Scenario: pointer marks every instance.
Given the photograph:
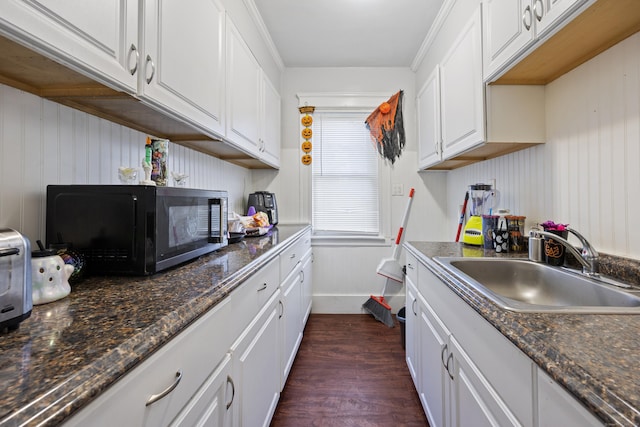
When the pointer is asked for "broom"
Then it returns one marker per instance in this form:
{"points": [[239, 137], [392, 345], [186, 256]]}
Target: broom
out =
{"points": [[391, 269]]}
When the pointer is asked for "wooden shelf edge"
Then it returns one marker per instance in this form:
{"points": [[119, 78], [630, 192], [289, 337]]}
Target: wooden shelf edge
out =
{"points": [[487, 151]]}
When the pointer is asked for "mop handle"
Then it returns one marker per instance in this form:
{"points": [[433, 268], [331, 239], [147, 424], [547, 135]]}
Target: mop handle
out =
{"points": [[405, 219]]}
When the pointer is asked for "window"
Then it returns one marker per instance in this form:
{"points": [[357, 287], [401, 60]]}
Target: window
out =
{"points": [[345, 184]]}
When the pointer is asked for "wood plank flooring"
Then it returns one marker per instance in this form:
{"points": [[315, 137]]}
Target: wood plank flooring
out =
{"points": [[350, 371]]}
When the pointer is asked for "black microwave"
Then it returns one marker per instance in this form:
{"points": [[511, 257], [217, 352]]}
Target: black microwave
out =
{"points": [[136, 229]]}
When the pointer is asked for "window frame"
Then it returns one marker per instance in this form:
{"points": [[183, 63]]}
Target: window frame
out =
{"points": [[356, 103]]}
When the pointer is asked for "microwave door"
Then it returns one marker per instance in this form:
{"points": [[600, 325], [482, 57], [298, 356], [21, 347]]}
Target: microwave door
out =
{"points": [[217, 220]]}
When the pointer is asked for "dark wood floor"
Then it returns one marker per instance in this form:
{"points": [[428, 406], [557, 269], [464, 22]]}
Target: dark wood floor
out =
{"points": [[350, 371]]}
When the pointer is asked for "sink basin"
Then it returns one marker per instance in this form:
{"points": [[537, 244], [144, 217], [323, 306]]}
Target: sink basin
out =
{"points": [[522, 285]]}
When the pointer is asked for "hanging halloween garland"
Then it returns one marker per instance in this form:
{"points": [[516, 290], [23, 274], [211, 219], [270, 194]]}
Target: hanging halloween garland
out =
{"points": [[386, 127], [307, 133]]}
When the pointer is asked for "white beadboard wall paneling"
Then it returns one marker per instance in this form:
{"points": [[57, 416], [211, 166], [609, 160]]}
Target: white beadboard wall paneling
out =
{"points": [[587, 174], [43, 143]]}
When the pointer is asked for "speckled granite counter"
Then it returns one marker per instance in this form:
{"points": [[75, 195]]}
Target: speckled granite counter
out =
{"points": [[71, 350], [595, 357]]}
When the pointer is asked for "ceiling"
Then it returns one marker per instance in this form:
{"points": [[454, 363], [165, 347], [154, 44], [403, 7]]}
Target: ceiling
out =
{"points": [[348, 33]]}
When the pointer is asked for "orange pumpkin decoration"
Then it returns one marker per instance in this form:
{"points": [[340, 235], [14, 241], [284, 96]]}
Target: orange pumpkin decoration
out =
{"points": [[385, 107], [307, 133], [306, 146], [306, 120], [306, 159]]}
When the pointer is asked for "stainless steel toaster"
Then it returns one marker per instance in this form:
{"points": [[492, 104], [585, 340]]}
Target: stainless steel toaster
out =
{"points": [[15, 279]]}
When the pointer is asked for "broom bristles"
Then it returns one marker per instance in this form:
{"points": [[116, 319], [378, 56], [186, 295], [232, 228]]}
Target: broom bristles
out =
{"points": [[378, 308]]}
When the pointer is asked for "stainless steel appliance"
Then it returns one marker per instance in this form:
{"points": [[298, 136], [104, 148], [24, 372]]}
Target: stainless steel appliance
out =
{"points": [[265, 202], [136, 229], [15, 279]]}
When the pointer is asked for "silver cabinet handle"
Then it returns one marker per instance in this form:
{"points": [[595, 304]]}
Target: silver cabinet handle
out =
{"points": [[538, 12], [292, 256], [153, 69], [442, 352], [526, 17], [233, 391], [153, 399], [302, 276], [410, 266], [450, 359], [282, 313], [264, 286], [133, 50], [413, 307]]}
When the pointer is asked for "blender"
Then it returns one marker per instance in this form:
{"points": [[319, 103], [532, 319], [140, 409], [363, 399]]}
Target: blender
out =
{"points": [[483, 199]]}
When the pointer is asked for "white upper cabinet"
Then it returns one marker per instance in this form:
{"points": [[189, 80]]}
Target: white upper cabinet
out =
{"points": [[270, 120], [462, 91], [183, 64], [428, 108], [243, 92], [97, 38], [512, 26], [253, 102]]}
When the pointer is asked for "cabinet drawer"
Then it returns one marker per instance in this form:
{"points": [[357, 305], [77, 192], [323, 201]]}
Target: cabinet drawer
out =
{"points": [[192, 356], [293, 254], [251, 296]]}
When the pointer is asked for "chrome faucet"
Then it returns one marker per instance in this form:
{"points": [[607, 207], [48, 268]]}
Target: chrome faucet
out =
{"points": [[588, 256]]}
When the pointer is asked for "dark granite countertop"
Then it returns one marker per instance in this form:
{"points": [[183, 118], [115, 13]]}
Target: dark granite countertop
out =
{"points": [[71, 350], [596, 357]]}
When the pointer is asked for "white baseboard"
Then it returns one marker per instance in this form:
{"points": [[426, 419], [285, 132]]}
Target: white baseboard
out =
{"points": [[350, 304]]}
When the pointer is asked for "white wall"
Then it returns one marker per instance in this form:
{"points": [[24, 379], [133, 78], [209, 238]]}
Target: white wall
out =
{"points": [[344, 277], [43, 143], [588, 172]]}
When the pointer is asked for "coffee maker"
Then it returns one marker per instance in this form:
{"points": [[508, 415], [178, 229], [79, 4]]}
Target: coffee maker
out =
{"points": [[482, 200]]}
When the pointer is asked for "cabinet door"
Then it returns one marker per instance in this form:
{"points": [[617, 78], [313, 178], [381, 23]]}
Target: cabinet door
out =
{"points": [[270, 122], [507, 29], [411, 325], [98, 38], [462, 91], [434, 355], [556, 11], [307, 285], [472, 399], [184, 60], [429, 136], [211, 406], [290, 320], [243, 92], [256, 368]]}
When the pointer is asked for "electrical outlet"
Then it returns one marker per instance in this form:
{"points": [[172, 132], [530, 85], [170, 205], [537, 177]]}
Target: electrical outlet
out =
{"points": [[397, 190]]}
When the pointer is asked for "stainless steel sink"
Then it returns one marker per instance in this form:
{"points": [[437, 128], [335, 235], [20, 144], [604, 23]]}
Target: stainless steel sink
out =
{"points": [[522, 285]]}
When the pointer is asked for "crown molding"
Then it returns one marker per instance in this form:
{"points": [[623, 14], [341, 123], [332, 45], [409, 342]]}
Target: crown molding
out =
{"points": [[446, 7], [264, 33]]}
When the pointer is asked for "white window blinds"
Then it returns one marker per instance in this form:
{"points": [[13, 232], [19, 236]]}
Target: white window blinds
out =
{"points": [[345, 175]]}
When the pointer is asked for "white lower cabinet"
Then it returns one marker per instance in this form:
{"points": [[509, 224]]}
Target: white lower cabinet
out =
{"points": [[295, 300], [412, 317], [467, 373], [256, 367], [290, 320], [307, 282], [211, 404], [186, 374], [226, 369]]}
